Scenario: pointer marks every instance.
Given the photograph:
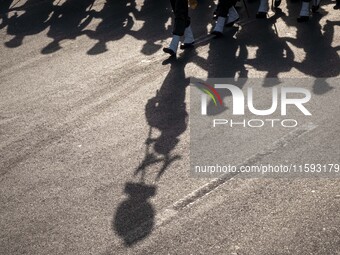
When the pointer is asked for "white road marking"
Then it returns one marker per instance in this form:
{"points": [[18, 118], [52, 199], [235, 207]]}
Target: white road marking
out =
{"points": [[169, 213]]}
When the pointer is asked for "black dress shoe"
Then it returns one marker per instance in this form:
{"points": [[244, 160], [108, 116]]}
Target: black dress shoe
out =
{"points": [[185, 46], [302, 19], [261, 15], [217, 34], [169, 51], [230, 24]]}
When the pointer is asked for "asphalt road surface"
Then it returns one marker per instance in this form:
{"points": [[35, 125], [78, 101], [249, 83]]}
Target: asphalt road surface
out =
{"points": [[90, 164]]}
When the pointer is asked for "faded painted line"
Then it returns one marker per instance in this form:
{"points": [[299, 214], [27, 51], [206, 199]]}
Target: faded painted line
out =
{"points": [[169, 213], [213, 184]]}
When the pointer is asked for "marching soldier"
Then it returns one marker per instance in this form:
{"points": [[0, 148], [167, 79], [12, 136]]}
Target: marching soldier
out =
{"points": [[181, 27]]}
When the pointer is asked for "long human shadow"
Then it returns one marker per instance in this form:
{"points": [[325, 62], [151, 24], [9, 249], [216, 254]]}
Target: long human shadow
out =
{"points": [[167, 119], [165, 112], [68, 22], [33, 21]]}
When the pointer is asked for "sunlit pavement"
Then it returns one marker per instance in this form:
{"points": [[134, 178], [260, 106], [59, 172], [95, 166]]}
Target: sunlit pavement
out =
{"points": [[90, 165]]}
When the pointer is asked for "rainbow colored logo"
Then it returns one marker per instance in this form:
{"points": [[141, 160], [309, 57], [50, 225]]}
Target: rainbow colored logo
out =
{"points": [[210, 91]]}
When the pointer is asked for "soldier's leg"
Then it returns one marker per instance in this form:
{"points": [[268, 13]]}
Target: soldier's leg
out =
{"points": [[232, 16], [263, 9], [222, 15], [304, 12], [181, 26], [182, 20]]}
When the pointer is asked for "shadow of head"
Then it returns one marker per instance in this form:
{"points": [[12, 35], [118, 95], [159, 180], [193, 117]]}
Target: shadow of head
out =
{"points": [[134, 217]]}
